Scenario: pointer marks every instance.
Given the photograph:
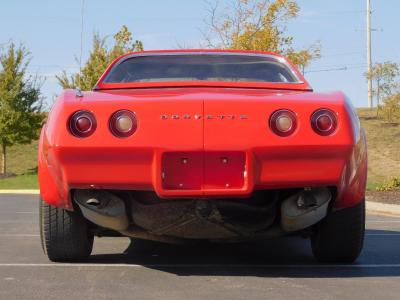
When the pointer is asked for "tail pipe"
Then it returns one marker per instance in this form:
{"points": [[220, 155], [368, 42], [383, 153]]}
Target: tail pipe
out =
{"points": [[102, 208], [108, 211], [305, 209]]}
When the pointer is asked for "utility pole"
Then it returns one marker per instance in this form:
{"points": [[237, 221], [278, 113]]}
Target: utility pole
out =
{"points": [[369, 53], [81, 49]]}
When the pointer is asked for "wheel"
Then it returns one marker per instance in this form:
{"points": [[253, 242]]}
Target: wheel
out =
{"points": [[340, 236], [64, 234]]}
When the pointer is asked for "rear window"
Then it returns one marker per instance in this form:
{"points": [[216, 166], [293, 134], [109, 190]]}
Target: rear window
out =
{"points": [[201, 67]]}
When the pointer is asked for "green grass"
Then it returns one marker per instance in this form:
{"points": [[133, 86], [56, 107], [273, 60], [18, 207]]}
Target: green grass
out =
{"points": [[371, 186], [21, 161], [26, 181], [383, 141], [383, 155]]}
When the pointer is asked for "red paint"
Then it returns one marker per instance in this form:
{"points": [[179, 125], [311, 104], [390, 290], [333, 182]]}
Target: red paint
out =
{"points": [[259, 159]]}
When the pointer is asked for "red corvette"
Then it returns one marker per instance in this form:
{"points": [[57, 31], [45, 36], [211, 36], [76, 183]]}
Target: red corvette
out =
{"points": [[188, 145]]}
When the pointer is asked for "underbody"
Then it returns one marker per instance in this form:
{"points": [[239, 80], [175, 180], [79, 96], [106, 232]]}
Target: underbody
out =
{"points": [[266, 214]]}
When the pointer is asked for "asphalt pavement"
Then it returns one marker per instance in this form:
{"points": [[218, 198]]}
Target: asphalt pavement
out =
{"points": [[121, 269]]}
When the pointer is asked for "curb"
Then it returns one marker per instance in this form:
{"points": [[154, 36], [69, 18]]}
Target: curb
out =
{"points": [[383, 208], [20, 192]]}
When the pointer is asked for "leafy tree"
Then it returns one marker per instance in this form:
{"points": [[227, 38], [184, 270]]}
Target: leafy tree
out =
{"points": [[391, 108], [257, 25], [20, 101], [384, 77], [99, 59]]}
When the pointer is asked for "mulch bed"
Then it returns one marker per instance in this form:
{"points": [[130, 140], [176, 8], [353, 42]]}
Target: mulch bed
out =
{"points": [[392, 197]]}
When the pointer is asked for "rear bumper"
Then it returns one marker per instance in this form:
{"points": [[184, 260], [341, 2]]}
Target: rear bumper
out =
{"points": [[204, 174]]}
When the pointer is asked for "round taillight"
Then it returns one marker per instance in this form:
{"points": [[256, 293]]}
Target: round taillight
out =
{"points": [[283, 122], [82, 123], [123, 123], [324, 122]]}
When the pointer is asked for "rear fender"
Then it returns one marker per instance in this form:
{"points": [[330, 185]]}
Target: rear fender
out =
{"points": [[52, 189], [351, 188]]}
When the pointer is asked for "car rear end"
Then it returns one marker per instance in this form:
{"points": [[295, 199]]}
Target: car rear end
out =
{"points": [[223, 163]]}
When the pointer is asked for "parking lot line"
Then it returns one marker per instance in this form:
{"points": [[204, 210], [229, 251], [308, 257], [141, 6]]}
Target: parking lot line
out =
{"points": [[17, 222], [18, 235], [375, 221], [258, 266], [18, 212], [36, 235]]}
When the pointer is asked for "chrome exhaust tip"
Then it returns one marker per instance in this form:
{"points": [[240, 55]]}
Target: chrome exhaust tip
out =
{"points": [[305, 209], [102, 208]]}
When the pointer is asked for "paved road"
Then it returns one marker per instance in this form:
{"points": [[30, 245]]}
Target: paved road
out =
{"points": [[279, 269]]}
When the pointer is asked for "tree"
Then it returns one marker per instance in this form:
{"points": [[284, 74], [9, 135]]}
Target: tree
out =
{"points": [[384, 77], [257, 25], [20, 101], [391, 108], [99, 59]]}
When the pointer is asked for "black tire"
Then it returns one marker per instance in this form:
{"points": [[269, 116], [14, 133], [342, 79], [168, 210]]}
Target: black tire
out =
{"points": [[339, 237], [64, 234]]}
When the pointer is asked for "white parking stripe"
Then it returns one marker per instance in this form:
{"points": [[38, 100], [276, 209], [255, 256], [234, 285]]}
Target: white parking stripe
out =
{"points": [[16, 222], [258, 266], [18, 235], [35, 235]]}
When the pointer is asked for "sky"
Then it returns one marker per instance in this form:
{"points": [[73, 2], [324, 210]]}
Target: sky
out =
{"points": [[51, 30]]}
